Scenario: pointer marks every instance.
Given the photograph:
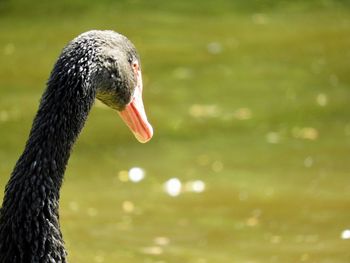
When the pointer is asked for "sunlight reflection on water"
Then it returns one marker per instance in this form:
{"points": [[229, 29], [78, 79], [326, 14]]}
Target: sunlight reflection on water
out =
{"points": [[91, 211], [162, 241], [173, 187], [128, 206], [345, 234], [154, 250], [197, 186], [136, 174], [322, 99], [214, 48], [307, 133], [74, 206], [99, 258]]}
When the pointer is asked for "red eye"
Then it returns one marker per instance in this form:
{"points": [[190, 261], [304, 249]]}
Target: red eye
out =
{"points": [[135, 65]]}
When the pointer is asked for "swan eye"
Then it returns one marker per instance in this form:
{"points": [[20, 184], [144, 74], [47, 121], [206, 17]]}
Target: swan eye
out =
{"points": [[134, 63]]}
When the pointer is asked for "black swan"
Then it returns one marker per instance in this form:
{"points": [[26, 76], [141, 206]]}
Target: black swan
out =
{"points": [[97, 64]]}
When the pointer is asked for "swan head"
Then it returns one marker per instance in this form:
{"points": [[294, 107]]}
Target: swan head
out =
{"points": [[115, 72]]}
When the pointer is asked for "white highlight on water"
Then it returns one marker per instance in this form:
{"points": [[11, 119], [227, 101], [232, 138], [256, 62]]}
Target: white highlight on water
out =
{"points": [[345, 234], [136, 174], [197, 186], [173, 187]]}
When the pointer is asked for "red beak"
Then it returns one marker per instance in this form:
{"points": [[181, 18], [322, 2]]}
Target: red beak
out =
{"points": [[134, 114]]}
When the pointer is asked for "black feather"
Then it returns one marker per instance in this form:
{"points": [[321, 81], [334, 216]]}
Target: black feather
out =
{"points": [[29, 218]]}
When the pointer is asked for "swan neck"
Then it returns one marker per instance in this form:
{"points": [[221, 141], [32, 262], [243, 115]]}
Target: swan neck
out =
{"points": [[31, 201]]}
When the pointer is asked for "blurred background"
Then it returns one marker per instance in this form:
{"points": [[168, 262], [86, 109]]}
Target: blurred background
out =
{"points": [[249, 101]]}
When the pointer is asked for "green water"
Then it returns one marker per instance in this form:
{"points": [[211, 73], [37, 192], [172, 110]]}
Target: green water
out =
{"points": [[249, 97]]}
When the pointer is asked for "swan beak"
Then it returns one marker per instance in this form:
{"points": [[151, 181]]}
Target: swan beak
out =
{"points": [[134, 114]]}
